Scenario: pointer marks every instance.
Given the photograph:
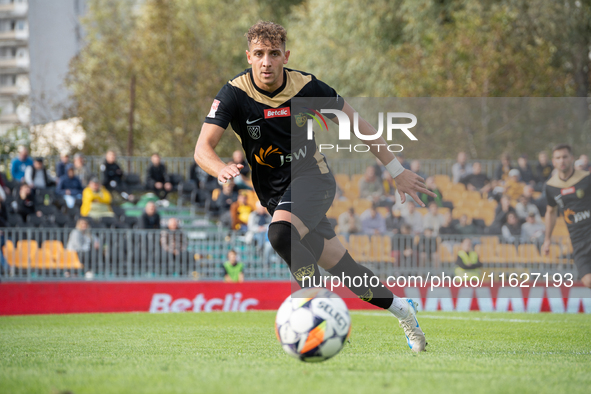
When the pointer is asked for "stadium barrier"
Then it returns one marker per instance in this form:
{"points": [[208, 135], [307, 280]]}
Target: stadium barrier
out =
{"points": [[162, 297], [38, 254]]}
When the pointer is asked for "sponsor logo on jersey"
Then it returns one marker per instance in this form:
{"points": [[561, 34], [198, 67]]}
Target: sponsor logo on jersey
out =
{"points": [[213, 109], [263, 157], [254, 132], [277, 113], [567, 191], [571, 216], [580, 193], [266, 158]]}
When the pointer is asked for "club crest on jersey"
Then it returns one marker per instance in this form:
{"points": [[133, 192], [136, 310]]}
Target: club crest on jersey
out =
{"points": [[300, 119], [580, 193], [254, 132]]}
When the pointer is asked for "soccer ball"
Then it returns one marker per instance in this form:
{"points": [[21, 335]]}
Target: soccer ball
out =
{"points": [[313, 324]]}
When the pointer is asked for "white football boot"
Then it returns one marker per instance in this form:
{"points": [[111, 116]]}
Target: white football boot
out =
{"points": [[414, 335]]}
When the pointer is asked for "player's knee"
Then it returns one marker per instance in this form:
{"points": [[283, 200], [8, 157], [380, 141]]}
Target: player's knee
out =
{"points": [[586, 280], [280, 236]]}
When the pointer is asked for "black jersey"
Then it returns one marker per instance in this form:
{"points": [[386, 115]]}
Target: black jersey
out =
{"points": [[573, 197], [271, 131]]}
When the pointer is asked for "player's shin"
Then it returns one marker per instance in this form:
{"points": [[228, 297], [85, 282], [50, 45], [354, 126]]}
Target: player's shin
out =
{"points": [[285, 239]]}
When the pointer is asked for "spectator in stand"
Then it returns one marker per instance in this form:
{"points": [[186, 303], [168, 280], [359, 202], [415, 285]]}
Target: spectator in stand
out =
{"points": [[96, 200], [585, 160], [238, 158], [513, 187], [427, 247], [525, 207], [82, 242], [431, 185], [233, 270], [157, 180], [174, 243], [413, 218], [70, 187], [532, 230], [25, 202], [460, 168], [3, 214], [221, 206], [20, 163], [112, 174], [448, 227], [258, 223], [543, 169], [150, 218], [36, 176], [503, 168], [349, 223], [501, 212], [60, 168], [511, 230], [81, 169], [466, 228], [370, 186], [540, 202], [476, 180], [405, 164], [467, 262], [526, 175], [403, 246], [389, 196], [240, 212], [432, 219], [415, 166], [578, 165], [204, 182], [394, 221], [372, 223], [380, 168]]}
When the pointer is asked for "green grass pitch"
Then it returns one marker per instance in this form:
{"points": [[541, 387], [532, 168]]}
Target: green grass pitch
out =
{"points": [[238, 353]]}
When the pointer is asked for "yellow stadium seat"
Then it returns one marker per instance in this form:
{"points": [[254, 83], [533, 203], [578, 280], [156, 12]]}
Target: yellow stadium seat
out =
{"points": [[69, 260], [507, 253], [529, 253], [342, 180], [53, 247], [43, 259], [486, 253]]}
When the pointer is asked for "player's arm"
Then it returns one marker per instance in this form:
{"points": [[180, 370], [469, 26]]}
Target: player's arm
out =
{"points": [[550, 219], [406, 181], [206, 157]]}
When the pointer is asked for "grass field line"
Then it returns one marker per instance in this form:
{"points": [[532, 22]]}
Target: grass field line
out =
{"points": [[423, 316]]}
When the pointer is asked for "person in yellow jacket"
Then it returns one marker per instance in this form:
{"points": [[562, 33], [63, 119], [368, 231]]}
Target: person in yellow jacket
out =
{"points": [[468, 262], [96, 200]]}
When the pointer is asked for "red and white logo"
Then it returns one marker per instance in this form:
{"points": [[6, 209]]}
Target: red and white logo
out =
{"points": [[277, 113], [568, 190], [214, 107], [162, 302]]}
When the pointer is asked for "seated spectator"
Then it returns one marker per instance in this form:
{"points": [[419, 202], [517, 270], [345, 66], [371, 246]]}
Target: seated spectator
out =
{"points": [[150, 218], [394, 221], [403, 246], [543, 169], [586, 166], [502, 210], [467, 262], [526, 174], [372, 223], [427, 247], [81, 169], [20, 163], [370, 186], [431, 185], [60, 168], [532, 230], [525, 207], [476, 180], [415, 166], [513, 187], [36, 176], [204, 182], [413, 218], [448, 227], [112, 174], [221, 206], [349, 223], [240, 212], [233, 270], [503, 168], [174, 243], [25, 202], [258, 223], [466, 228], [388, 185], [70, 187], [157, 179], [433, 220], [96, 200], [460, 168], [238, 158], [511, 230], [81, 241]]}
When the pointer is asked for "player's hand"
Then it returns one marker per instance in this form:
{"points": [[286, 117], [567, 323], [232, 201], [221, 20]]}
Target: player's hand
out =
{"points": [[546, 248], [410, 183], [228, 172]]}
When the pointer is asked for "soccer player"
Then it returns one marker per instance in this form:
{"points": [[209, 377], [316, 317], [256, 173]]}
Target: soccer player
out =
{"points": [[257, 104], [570, 190]]}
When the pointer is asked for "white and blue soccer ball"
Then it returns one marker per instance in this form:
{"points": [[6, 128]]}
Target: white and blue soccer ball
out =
{"points": [[313, 324]]}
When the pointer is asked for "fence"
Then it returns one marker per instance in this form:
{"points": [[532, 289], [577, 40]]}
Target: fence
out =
{"points": [[113, 254]]}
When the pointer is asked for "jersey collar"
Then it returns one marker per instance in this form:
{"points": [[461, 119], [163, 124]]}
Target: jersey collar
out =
{"points": [[269, 94]]}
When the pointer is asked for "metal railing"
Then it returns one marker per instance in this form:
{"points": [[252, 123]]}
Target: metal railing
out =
{"points": [[32, 254]]}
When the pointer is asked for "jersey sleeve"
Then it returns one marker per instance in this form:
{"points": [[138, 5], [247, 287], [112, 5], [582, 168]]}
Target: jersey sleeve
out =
{"points": [[224, 107], [549, 196], [331, 100]]}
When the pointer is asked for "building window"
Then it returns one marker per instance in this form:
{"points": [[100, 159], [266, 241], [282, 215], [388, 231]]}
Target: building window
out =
{"points": [[7, 80]]}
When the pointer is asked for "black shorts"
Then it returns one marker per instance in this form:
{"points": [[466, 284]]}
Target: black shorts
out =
{"points": [[309, 197], [582, 256]]}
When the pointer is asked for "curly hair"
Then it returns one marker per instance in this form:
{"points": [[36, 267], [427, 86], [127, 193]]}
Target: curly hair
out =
{"points": [[270, 32]]}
